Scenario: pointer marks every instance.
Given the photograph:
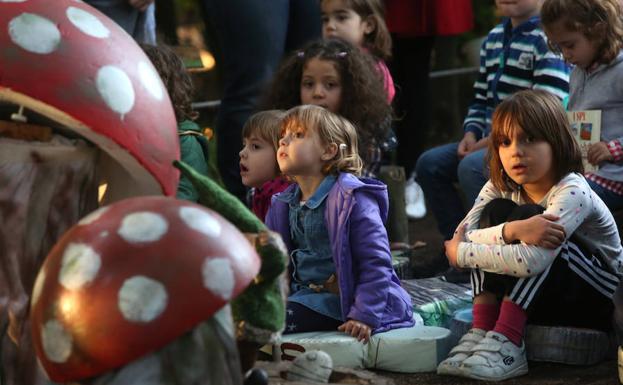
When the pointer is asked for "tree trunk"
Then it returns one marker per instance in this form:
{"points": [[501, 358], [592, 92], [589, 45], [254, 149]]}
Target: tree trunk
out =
{"points": [[45, 187]]}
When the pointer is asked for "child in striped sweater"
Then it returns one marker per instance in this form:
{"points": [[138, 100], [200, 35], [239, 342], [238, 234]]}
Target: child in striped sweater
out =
{"points": [[515, 56]]}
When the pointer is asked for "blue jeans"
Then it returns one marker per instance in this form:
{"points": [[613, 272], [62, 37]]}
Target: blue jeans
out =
{"points": [[612, 200], [253, 36], [438, 169]]}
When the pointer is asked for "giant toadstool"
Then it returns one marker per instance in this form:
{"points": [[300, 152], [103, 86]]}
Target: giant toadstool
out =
{"points": [[131, 277], [69, 63]]}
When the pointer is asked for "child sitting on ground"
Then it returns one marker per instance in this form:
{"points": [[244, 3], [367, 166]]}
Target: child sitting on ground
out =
{"points": [[539, 242], [341, 274], [258, 159]]}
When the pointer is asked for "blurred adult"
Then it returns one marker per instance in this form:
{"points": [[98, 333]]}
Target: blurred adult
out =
{"points": [[136, 17], [252, 37]]}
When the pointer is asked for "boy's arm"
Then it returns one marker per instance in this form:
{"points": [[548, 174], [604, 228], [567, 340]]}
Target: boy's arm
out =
{"points": [[476, 119], [551, 73]]}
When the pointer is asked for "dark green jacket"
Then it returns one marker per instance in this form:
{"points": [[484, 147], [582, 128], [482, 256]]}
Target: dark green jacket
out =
{"points": [[194, 152]]}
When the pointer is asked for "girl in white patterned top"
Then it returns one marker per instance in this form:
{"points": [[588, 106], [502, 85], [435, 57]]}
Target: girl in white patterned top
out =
{"points": [[540, 244]]}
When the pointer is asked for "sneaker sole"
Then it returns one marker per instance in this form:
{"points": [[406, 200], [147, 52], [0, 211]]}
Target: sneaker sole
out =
{"points": [[517, 372], [449, 371], [565, 345]]}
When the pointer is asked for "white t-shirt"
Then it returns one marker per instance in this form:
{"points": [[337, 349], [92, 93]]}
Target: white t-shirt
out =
{"points": [[581, 212]]}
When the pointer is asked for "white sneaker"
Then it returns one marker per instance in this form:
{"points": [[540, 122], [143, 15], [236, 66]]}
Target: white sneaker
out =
{"points": [[451, 365], [495, 358], [414, 199]]}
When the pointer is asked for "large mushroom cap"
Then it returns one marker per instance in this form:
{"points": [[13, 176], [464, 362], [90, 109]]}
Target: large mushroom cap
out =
{"points": [[68, 62], [131, 277]]}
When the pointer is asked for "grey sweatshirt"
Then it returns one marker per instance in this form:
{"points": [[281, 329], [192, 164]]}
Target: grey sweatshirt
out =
{"points": [[602, 90]]}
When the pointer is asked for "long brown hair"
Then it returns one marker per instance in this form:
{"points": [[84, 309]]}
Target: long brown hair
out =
{"points": [[176, 79], [541, 116], [600, 21], [364, 100], [379, 41]]}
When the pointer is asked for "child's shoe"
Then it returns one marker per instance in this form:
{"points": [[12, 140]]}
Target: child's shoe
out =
{"points": [[451, 365], [495, 358], [414, 199]]}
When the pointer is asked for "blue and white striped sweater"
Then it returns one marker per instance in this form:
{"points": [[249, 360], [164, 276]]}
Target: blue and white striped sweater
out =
{"points": [[513, 59]]}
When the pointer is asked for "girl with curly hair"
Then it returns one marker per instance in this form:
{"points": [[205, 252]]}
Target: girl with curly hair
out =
{"points": [[589, 33], [335, 75], [193, 145]]}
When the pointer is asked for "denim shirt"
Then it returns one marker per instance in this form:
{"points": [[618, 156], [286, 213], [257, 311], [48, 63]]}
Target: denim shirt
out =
{"points": [[311, 257]]}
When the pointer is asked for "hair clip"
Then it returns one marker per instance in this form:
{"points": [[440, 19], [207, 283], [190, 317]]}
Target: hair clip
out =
{"points": [[300, 54], [343, 147], [341, 54]]}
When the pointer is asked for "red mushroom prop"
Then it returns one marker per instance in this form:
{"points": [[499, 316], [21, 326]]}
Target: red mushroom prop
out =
{"points": [[130, 278], [68, 62]]}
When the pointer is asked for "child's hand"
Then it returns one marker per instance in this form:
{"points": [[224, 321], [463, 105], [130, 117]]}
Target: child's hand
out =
{"points": [[141, 5], [466, 145], [539, 230], [599, 152], [356, 329], [452, 246]]}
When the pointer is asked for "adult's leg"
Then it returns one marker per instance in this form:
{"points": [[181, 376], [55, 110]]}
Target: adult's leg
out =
{"points": [[410, 67], [472, 174], [251, 35], [305, 23], [436, 173]]}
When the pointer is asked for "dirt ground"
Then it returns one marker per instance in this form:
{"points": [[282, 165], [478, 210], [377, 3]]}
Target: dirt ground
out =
{"points": [[604, 373]]}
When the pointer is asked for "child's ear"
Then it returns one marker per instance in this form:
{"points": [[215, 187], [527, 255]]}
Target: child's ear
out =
{"points": [[330, 151], [369, 25]]}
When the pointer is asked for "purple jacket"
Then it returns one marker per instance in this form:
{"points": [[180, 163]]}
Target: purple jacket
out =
{"points": [[370, 291]]}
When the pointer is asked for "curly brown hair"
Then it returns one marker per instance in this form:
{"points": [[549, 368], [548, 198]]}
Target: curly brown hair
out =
{"points": [[176, 79], [363, 101], [541, 116], [379, 41], [599, 20]]}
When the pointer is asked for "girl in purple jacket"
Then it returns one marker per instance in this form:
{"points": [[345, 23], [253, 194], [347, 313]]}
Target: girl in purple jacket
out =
{"points": [[341, 275]]}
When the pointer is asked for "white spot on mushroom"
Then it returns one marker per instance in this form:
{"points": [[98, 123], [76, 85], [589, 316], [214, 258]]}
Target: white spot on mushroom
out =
{"points": [[36, 290], [56, 341], [201, 221], [79, 266], [150, 80], [143, 226], [142, 299], [92, 217], [87, 22], [218, 276], [34, 33], [115, 88], [104, 234]]}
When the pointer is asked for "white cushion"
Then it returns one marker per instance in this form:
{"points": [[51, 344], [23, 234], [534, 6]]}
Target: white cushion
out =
{"points": [[408, 350]]}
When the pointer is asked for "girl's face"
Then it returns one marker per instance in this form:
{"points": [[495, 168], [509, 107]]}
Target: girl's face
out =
{"points": [[321, 84], [528, 162], [342, 22], [576, 48], [258, 163], [301, 153]]}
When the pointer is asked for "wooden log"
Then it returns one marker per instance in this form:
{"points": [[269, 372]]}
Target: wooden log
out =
{"points": [[44, 189]]}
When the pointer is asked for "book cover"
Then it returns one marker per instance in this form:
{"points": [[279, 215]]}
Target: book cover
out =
{"points": [[586, 128]]}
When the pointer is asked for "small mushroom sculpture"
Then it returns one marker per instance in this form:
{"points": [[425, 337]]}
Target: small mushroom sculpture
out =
{"points": [[130, 278], [311, 366], [68, 62]]}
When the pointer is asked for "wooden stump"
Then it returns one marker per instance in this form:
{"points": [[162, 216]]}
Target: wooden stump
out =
{"points": [[44, 189]]}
